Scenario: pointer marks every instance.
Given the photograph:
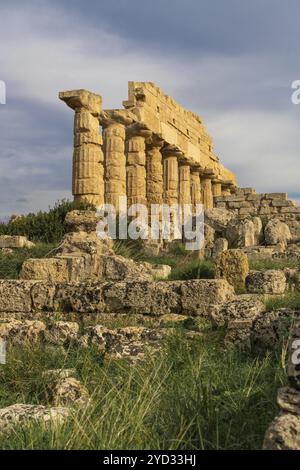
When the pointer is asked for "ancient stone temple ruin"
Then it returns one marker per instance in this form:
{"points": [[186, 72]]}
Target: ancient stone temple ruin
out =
{"points": [[153, 151]]}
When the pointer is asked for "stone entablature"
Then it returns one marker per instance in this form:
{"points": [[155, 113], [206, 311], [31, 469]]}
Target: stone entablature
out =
{"points": [[154, 150]]}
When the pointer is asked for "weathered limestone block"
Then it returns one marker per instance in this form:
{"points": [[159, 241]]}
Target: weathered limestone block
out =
{"points": [[232, 265], [130, 342], [115, 162], [154, 172], [288, 399], [15, 241], [82, 221], [68, 391], [143, 297], [218, 219], [21, 414], [207, 195], [198, 297], [277, 232], [238, 334], [15, 296], [241, 233], [266, 282], [184, 184], [42, 295], [80, 297], [117, 268], [61, 333], [159, 271], [84, 243], [239, 309], [46, 269], [283, 433], [258, 230], [220, 245], [273, 328], [22, 331]]}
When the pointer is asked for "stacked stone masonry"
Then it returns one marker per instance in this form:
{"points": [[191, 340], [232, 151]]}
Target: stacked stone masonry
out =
{"points": [[246, 202], [194, 297], [152, 151]]}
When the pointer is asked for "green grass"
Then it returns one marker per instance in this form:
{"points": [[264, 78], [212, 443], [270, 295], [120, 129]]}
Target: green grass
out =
{"points": [[265, 264], [183, 263], [43, 227], [11, 264], [191, 396], [288, 300], [194, 269]]}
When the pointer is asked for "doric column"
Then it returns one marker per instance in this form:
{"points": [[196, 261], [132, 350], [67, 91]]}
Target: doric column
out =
{"points": [[87, 175], [170, 174], [136, 163], [154, 171], [207, 195], [114, 157], [196, 197], [216, 188], [184, 183]]}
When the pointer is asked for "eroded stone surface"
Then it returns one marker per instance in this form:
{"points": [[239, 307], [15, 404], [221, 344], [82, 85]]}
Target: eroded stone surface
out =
{"points": [[283, 433], [266, 282], [233, 266], [22, 414]]}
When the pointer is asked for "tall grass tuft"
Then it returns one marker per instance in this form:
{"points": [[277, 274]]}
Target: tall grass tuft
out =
{"points": [[191, 396]]}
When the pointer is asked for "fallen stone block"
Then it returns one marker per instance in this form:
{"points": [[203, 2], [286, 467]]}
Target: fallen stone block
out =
{"points": [[239, 309], [15, 241], [233, 266], [277, 232], [266, 282], [15, 296], [21, 414], [283, 433], [272, 328]]}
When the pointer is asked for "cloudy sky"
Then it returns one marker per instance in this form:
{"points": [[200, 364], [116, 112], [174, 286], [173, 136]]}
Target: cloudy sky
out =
{"points": [[230, 61]]}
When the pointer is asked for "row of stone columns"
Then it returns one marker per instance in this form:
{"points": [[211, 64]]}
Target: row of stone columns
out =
{"points": [[133, 163], [152, 173]]}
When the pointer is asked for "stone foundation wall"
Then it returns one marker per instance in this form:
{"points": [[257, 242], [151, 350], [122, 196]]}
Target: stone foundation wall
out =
{"points": [[193, 297], [246, 202]]}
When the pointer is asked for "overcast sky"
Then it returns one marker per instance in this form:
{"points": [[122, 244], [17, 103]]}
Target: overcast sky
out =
{"points": [[230, 61]]}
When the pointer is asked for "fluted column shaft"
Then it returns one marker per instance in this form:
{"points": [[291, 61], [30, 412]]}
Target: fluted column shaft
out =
{"points": [[115, 162], [136, 170], [171, 176], [184, 184], [196, 196], [154, 174], [207, 195]]}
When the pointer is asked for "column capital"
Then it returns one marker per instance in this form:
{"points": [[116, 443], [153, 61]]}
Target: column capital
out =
{"points": [[155, 141], [77, 99], [171, 151], [138, 129], [113, 117]]}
